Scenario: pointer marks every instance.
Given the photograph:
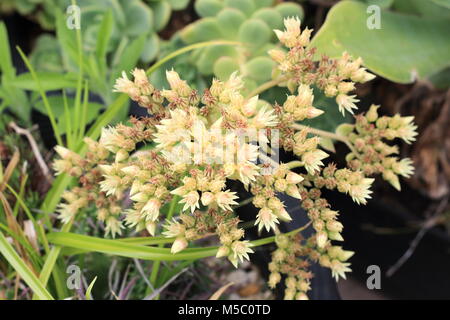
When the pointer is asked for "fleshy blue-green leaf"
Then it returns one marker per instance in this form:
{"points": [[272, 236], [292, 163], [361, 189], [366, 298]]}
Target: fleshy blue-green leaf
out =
{"points": [[405, 48]]}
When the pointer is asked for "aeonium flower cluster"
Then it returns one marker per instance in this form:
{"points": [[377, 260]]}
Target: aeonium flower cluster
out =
{"points": [[335, 77], [185, 153]]}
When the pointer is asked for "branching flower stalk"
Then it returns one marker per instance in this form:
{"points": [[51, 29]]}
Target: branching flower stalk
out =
{"points": [[192, 144]]}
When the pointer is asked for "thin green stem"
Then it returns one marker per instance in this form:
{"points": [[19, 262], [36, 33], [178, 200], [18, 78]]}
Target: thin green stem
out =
{"points": [[265, 86], [264, 241], [244, 202], [45, 101], [294, 164], [190, 48], [327, 134]]}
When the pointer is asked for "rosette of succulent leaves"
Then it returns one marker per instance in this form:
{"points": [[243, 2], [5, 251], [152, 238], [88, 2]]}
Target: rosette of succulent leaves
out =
{"points": [[249, 22], [116, 167]]}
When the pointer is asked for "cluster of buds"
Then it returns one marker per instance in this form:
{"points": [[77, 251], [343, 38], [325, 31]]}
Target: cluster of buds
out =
{"points": [[188, 228], [324, 220], [374, 156], [199, 189], [141, 91], [271, 207], [307, 150], [230, 235], [70, 162], [300, 107], [333, 257], [89, 192], [335, 77], [290, 260], [148, 186]]}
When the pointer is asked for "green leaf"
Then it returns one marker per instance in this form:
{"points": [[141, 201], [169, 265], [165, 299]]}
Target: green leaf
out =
{"points": [[259, 68], [105, 32], [139, 18], [290, 9], [21, 268], [57, 103], [161, 14], [46, 54], [209, 56], [151, 48], [147, 241], [124, 249], [43, 95], [432, 8], [49, 81], [208, 8], [384, 4], [272, 17], [66, 38], [263, 3], [224, 67], [6, 65], [443, 3], [246, 6], [178, 4], [202, 30], [230, 19], [89, 289], [404, 49], [130, 56], [254, 32]]}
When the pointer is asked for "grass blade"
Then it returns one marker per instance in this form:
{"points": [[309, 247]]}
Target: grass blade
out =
{"points": [[124, 249], [25, 273], [89, 289], [43, 96]]}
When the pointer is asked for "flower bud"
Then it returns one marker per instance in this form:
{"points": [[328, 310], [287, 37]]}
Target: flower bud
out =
{"points": [[282, 240], [259, 201], [178, 245], [131, 170], [277, 55], [292, 191], [328, 214], [151, 227], [280, 185], [321, 238], [207, 198], [334, 226], [382, 123], [372, 114], [249, 108], [283, 215], [324, 261], [121, 155], [293, 178], [274, 279], [301, 296], [291, 282], [223, 251], [335, 236], [289, 294], [331, 91], [140, 197]]}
